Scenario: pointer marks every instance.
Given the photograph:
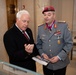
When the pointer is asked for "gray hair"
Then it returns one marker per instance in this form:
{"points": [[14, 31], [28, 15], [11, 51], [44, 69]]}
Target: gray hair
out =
{"points": [[21, 12]]}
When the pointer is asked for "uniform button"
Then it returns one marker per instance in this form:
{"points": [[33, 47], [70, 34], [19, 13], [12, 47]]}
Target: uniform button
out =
{"points": [[49, 40], [49, 45], [50, 50]]}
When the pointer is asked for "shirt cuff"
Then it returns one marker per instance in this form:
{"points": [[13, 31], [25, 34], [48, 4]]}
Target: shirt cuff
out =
{"points": [[59, 57]]}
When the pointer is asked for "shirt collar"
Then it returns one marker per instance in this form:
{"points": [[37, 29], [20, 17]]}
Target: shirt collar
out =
{"points": [[18, 27]]}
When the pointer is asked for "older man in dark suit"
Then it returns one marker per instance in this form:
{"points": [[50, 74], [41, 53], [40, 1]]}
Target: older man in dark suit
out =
{"points": [[19, 42]]}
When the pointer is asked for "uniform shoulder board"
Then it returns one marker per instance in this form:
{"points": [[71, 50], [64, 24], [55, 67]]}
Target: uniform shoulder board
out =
{"points": [[61, 21], [40, 25]]}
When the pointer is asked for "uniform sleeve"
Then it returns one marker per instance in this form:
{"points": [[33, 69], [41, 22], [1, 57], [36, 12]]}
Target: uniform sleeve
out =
{"points": [[68, 43], [35, 50], [39, 43]]}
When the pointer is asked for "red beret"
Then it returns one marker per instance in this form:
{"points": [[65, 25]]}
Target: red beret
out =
{"points": [[48, 8]]}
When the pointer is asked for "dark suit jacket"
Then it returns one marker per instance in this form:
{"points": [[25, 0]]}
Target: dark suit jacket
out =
{"points": [[14, 42]]}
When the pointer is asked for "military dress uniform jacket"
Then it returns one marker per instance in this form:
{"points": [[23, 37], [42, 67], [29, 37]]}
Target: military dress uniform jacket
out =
{"points": [[14, 41], [55, 42]]}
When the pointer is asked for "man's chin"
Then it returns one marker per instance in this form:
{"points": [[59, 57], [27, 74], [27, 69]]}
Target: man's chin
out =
{"points": [[24, 28]]}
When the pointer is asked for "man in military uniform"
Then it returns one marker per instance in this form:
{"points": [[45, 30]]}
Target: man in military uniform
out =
{"points": [[54, 42]]}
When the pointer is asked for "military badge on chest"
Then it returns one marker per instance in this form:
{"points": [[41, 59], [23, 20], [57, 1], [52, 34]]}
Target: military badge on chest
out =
{"points": [[57, 33], [59, 42]]}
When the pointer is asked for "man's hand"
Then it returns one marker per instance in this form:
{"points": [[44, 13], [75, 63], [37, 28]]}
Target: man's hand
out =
{"points": [[54, 59], [29, 48], [45, 56]]}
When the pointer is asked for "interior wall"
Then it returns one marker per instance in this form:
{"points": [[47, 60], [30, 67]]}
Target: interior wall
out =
{"points": [[74, 19], [58, 7], [3, 28], [67, 12]]}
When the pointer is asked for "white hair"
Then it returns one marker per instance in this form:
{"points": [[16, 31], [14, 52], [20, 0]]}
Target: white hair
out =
{"points": [[21, 12]]}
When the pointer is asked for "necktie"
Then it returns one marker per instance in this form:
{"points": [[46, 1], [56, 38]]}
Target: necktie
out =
{"points": [[26, 35]]}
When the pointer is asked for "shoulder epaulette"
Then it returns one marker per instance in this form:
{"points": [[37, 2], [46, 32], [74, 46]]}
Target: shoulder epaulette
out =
{"points": [[61, 21], [40, 25]]}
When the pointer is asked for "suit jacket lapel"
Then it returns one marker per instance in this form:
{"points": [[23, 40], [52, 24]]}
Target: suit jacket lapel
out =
{"points": [[19, 33]]}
